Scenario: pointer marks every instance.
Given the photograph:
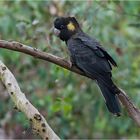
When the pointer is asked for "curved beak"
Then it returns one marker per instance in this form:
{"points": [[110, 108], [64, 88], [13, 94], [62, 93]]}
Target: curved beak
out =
{"points": [[56, 31]]}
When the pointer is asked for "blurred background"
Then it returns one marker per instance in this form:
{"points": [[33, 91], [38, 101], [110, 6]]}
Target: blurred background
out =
{"points": [[72, 104]]}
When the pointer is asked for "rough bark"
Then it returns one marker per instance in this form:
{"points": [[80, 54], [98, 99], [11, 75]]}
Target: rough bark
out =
{"points": [[39, 124]]}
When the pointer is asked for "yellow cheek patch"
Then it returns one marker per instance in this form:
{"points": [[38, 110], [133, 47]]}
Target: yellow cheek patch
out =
{"points": [[71, 26]]}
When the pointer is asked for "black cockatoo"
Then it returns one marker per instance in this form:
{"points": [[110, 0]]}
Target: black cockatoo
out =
{"points": [[88, 55]]}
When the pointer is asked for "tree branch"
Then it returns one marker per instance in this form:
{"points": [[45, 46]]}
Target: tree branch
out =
{"points": [[40, 126], [133, 112], [16, 46]]}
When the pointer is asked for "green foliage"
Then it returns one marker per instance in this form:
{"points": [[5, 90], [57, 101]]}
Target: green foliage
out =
{"points": [[71, 103]]}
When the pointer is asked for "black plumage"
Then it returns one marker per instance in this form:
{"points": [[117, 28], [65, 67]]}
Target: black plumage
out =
{"points": [[88, 55]]}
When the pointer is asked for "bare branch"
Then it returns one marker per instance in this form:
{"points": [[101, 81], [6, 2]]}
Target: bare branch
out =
{"points": [[133, 112], [16, 46], [40, 126]]}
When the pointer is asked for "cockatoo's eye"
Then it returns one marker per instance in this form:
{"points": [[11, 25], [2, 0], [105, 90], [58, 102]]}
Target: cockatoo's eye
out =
{"points": [[62, 27]]}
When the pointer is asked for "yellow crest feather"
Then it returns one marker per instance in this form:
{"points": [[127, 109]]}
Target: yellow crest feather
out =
{"points": [[71, 26]]}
